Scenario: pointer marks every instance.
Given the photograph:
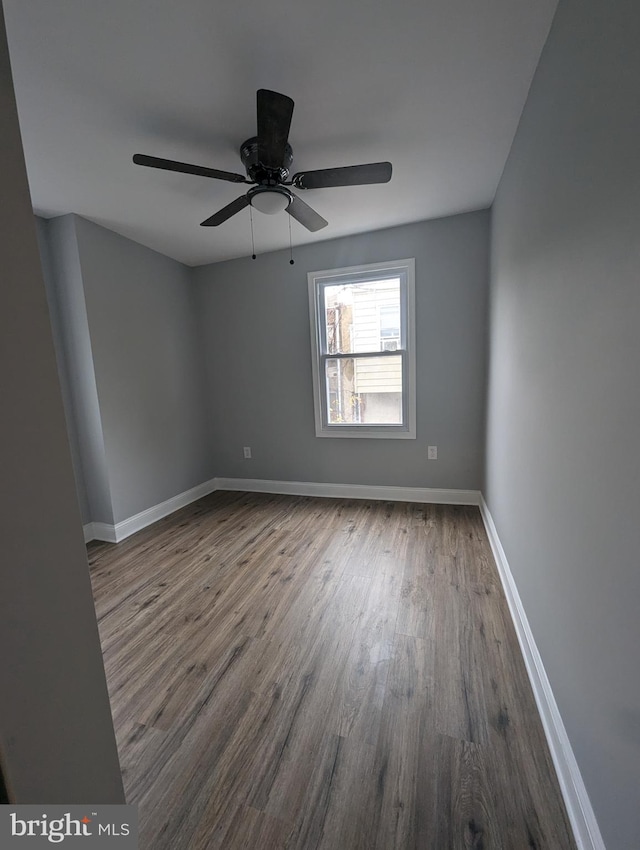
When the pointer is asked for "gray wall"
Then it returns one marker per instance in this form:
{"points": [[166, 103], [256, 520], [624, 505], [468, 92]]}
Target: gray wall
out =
{"points": [[255, 327], [563, 463], [142, 323], [65, 293], [129, 322], [67, 388], [56, 736]]}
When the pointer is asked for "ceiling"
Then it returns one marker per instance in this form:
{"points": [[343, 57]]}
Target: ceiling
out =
{"points": [[435, 86]]}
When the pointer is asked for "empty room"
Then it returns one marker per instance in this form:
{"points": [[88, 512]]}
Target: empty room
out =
{"points": [[320, 490]]}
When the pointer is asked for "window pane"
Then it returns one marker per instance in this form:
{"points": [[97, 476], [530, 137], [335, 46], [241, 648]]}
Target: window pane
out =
{"points": [[364, 390], [362, 316]]}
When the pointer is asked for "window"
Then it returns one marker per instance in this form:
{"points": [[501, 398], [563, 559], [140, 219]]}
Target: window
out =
{"points": [[362, 340], [389, 326]]}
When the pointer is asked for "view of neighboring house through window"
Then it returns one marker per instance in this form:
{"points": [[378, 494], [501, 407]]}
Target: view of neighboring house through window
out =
{"points": [[362, 340]]}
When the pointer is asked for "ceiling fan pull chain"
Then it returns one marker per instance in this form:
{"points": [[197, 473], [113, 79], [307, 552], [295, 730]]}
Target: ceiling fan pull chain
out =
{"points": [[253, 247], [290, 245]]}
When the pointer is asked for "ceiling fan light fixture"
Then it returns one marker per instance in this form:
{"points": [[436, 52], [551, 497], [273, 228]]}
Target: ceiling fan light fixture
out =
{"points": [[269, 200]]}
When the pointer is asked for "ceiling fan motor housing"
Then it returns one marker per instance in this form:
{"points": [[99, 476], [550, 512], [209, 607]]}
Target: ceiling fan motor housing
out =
{"points": [[256, 171]]}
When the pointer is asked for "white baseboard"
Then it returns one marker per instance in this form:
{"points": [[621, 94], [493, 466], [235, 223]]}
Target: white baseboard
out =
{"points": [[576, 800], [99, 531], [121, 530], [352, 491], [116, 533], [136, 523]]}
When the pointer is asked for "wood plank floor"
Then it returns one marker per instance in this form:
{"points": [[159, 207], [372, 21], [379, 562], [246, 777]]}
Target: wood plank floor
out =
{"points": [[320, 674]]}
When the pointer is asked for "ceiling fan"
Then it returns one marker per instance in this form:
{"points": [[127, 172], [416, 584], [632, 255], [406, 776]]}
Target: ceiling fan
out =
{"points": [[267, 158]]}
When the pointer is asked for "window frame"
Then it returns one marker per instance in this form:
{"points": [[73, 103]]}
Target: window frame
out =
{"points": [[317, 283]]}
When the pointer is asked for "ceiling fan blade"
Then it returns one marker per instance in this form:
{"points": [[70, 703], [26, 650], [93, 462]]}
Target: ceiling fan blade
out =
{"points": [[307, 217], [350, 175], [226, 212], [274, 119], [185, 168]]}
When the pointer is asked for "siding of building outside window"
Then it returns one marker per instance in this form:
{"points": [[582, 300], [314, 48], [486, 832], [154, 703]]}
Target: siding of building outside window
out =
{"points": [[357, 384], [379, 378]]}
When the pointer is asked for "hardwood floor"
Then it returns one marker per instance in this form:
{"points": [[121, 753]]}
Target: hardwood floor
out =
{"points": [[320, 674]]}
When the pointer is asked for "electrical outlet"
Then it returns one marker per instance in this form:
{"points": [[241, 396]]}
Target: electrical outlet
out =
{"points": [[432, 452], [247, 452]]}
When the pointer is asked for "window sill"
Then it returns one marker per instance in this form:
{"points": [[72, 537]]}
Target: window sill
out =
{"points": [[364, 432]]}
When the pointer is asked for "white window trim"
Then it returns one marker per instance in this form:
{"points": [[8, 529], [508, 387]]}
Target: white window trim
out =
{"points": [[407, 431]]}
